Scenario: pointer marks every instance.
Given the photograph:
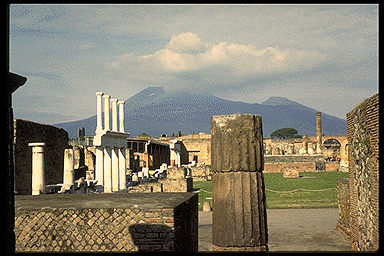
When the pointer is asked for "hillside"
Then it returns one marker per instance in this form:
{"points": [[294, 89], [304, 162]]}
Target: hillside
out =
{"points": [[156, 111]]}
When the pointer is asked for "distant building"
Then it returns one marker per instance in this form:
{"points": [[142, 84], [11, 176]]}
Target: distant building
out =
{"points": [[147, 153]]}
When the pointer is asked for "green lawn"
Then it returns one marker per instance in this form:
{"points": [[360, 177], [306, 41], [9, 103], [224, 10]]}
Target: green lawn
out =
{"points": [[311, 190]]}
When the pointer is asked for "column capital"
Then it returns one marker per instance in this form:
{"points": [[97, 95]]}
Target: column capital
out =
{"points": [[106, 96], [99, 93], [121, 102], [114, 100]]}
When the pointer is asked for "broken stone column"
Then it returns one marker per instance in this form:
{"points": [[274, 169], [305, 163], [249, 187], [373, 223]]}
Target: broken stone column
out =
{"points": [[239, 209], [319, 135], [38, 172], [305, 145], [69, 170]]}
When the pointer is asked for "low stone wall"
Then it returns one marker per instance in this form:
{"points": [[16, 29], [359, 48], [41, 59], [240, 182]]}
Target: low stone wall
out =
{"points": [[107, 222], [280, 167], [332, 166], [201, 172]]}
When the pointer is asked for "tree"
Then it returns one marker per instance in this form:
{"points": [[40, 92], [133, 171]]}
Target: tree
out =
{"points": [[285, 133], [144, 135]]}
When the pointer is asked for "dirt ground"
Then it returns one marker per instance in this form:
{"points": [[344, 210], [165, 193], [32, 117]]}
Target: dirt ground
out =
{"points": [[291, 230]]}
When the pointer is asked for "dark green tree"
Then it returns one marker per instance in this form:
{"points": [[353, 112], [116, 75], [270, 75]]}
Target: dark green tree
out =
{"points": [[285, 133]]}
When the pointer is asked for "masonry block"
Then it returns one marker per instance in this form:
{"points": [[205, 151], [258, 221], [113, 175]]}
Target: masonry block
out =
{"points": [[237, 143], [239, 219]]}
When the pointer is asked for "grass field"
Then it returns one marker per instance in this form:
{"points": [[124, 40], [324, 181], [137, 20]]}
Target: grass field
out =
{"points": [[311, 190]]}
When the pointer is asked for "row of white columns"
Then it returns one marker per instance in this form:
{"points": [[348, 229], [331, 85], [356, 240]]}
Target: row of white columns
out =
{"points": [[99, 110], [110, 144], [111, 168]]}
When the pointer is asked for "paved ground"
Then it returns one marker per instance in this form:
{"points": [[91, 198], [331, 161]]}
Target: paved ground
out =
{"points": [[290, 230]]}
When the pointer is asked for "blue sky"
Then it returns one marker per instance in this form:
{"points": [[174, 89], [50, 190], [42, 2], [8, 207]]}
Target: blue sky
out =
{"points": [[322, 56]]}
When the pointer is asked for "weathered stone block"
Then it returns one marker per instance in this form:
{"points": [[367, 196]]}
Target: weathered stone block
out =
{"points": [[237, 143], [239, 209], [291, 172]]}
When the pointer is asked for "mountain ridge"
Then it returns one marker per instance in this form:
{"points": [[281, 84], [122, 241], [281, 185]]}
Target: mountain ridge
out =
{"points": [[156, 111]]}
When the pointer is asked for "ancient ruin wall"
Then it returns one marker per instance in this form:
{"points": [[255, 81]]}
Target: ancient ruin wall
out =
{"points": [[55, 139], [363, 154], [107, 223]]}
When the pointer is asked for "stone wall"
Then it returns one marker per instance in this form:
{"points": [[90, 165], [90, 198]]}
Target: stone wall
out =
{"points": [[177, 180], [196, 144], [344, 207], [107, 222], [280, 167], [55, 139], [363, 154], [201, 172], [302, 163]]}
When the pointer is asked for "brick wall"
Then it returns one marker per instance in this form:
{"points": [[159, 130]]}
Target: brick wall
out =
{"points": [[107, 222], [56, 140], [363, 154]]}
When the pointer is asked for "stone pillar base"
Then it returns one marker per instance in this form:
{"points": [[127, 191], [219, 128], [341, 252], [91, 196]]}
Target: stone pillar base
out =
{"points": [[261, 248], [239, 210]]}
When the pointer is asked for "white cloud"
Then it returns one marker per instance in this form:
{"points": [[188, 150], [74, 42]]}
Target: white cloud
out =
{"points": [[187, 54]]}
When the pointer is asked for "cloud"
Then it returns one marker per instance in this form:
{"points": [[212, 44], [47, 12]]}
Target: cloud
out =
{"points": [[187, 55]]}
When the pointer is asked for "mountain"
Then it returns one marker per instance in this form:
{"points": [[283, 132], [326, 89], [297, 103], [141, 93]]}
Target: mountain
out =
{"points": [[156, 111]]}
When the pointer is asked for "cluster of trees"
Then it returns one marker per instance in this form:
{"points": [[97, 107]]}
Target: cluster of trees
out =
{"points": [[285, 133]]}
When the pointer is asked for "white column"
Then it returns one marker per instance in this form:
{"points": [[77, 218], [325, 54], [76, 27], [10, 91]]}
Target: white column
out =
{"points": [[69, 171], [106, 112], [38, 172], [100, 166], [122, 168], [107, 170], [121, 115], [115, 170], [114, 115], [99, 110]]}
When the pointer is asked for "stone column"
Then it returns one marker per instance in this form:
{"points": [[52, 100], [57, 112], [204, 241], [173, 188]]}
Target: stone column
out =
{"points": [[239, 210], [100, 166], [319, 134], [38, 172], [305, 145], [122, 169], [121, 116], [107, 170], [115, 170], [99, 110], [106, 112], [114, 115], [69, 170]]}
